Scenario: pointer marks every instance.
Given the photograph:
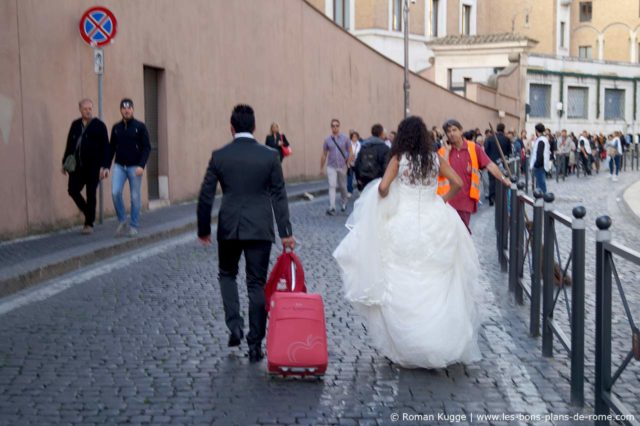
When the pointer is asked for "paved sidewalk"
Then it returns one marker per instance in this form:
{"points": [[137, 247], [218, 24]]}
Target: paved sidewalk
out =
{"points": [[28, 261]]}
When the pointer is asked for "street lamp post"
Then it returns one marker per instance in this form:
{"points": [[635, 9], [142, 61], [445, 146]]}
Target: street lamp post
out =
{"points": [[405, 18]]}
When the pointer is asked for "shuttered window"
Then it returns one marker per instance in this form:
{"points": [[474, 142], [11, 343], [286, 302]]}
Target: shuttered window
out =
{"points": [[540, 100], [578, 102], [614, 104]]}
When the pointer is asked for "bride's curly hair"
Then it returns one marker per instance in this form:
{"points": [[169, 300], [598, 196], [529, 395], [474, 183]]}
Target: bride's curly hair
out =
{"points": [[417, 143]]}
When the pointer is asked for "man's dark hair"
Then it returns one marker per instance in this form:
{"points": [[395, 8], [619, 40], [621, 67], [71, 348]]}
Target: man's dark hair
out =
{"points": [[500, 127], [377, 129], [540, 128], [469, 135], [451, 123], [243, 119]]}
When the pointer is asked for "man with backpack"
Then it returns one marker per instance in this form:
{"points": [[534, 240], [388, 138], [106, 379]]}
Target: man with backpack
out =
{"points": [[372, 159]]}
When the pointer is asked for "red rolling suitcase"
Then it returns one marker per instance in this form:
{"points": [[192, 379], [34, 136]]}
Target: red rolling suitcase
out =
{"points": [[296, 334]]}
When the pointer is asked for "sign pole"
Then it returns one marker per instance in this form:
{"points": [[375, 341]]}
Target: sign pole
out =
{"points": [[98, 55], [98, 27]]}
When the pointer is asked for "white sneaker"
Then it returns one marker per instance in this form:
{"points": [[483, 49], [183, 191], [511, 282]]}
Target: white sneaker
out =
{"points": [[121, 229], [133, 232], [615, 178]]}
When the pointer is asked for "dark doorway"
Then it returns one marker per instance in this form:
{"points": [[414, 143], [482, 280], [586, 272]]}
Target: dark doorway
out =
{"points": [[151, 117]]}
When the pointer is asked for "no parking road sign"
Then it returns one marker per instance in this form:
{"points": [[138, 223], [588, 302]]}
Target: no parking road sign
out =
{"points": [[98, 26]]}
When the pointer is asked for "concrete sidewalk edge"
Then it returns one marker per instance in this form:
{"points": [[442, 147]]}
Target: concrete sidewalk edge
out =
{"points": [[46, 272]]}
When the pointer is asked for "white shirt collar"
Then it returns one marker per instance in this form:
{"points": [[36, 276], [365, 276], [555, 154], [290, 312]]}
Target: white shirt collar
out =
{"points": [[243, 135]]}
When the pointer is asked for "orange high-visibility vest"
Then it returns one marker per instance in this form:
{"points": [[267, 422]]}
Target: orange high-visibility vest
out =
{"points": [[474, 191]]}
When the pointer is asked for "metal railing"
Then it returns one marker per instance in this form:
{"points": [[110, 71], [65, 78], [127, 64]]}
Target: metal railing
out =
{"points": [[525, 247], [605, 400], [632, 157], [513, 239], [555, 283]]}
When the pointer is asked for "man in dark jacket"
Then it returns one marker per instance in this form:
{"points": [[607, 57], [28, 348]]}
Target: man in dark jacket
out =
{"points": [[372, 158], [493, 152], [131, 147], [253, 190], [88, 146]]}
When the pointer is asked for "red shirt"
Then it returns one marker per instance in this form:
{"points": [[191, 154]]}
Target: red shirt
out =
{"points": [[460, 161]]}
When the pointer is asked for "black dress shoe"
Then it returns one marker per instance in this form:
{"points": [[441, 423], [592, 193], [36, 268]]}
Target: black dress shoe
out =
{"points": [[235, 338], [255, 354]]}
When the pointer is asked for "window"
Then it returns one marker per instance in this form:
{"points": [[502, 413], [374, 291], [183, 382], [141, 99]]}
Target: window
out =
{"points": [[396, 21], [341, 14], [584, 52], [578, 102], [526, 20], [540, 100], [434, 17], [585, 11], [614, 104], [562, 26], [466, 19]]}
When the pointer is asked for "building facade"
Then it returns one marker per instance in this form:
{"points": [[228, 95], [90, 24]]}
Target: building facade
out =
{"points": [[577, 94], [577, 59], [379, 23]]}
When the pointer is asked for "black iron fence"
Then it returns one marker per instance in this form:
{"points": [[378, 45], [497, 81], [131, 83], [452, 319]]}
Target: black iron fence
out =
{"points": [[527, 242], [606, 253]]}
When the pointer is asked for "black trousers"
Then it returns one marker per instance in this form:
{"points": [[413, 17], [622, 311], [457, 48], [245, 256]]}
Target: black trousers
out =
{"points": [[79, 179], [256, 256], [492, 188]]}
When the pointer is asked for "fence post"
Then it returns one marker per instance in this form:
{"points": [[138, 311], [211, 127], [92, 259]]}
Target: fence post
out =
{"points": [[577, 309], [526, 173], [513, 235], [504, 245], [498, 216], [603, 317], [536, 262], [547, 275], [520, 245]]}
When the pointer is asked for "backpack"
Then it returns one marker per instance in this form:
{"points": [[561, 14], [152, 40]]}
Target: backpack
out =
{"points": [[369, 168]]}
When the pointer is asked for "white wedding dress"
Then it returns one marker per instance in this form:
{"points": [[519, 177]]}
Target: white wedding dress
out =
{"points": [[410, 268]]}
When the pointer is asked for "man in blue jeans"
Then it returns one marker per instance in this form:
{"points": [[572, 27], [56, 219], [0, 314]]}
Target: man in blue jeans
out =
{"points": [[540, 158], [130, 145]]}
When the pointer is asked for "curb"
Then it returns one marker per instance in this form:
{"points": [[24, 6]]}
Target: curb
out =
{"points": [[28, 279], [626, 205]]}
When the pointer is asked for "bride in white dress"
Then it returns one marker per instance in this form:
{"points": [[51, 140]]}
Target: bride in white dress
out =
{"points": [[408, 263]]}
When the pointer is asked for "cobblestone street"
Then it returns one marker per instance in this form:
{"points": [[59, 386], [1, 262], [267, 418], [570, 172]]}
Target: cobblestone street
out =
{"points": [[141, 339]]}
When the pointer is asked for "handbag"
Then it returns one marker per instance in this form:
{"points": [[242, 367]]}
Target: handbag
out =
{"points": [[70, 163], [285, 149], [287, 275]]}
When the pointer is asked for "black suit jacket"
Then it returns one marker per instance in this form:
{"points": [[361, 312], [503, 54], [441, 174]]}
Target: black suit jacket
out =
{"points": [[272, 142], [94, 150], [252, 184], [491, 149]]}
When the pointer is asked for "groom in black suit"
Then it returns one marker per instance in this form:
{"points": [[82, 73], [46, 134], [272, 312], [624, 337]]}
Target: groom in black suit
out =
{"points": [[252, 184]]}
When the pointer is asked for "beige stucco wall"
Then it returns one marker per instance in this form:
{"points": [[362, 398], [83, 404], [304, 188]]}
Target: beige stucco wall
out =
{"points": [[13, 190], [615, 20], [214, 54], [453, 17], [496, 16]]}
